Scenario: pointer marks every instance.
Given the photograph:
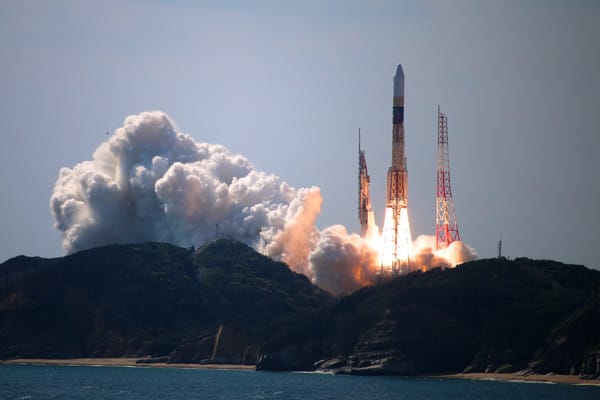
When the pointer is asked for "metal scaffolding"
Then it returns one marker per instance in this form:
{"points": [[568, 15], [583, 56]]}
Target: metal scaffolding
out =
{"points": [[446, 228]]}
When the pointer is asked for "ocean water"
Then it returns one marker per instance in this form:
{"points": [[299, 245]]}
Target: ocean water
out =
{"points": [[36, 382]]}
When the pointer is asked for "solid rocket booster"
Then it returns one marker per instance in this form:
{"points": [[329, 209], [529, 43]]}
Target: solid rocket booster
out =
{"points": [[397, 176]]}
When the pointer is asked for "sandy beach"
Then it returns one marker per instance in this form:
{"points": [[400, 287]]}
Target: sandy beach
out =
{"points": [[123, 362], [550, 378], [131, 362]]}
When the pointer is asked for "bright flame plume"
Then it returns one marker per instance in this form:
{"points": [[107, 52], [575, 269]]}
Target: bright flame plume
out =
{"points": [[396, 242]]}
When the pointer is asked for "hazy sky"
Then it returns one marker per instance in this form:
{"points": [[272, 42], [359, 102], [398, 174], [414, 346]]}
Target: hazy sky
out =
{"points": [[288, 84]]}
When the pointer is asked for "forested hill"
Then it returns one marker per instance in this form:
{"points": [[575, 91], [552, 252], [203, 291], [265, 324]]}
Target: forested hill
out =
{"points": [[148, 299], [225, 303], [492, 315]]}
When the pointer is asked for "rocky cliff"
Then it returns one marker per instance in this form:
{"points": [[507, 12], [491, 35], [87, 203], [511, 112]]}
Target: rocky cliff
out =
{"points": [[485, 316], [225, 303]]}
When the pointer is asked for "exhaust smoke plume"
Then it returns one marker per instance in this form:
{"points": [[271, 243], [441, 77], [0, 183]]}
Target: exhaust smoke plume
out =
{"points": [[424, 256], [342, 263], [148, 182]]}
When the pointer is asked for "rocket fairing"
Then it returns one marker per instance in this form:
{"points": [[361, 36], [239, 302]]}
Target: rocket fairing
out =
{"points": [[397, 176]]}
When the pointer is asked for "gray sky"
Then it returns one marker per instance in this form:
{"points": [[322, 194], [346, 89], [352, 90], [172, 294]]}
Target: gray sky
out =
{"points": [[288, 84]]}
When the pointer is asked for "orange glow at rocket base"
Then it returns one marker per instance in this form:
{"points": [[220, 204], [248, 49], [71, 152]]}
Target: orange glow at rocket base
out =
{"points": [[407, 255]]}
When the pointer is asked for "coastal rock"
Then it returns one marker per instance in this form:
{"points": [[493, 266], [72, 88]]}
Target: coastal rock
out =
{"points": [[493, 360], [285, 360], [573, 347], [377, 353], [193, 351], [494, 315], [229, 345], [333, 363], [590, 367], [380, 351]]}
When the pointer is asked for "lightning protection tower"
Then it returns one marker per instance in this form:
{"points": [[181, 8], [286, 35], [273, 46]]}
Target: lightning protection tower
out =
{"points": [[446, 228]]}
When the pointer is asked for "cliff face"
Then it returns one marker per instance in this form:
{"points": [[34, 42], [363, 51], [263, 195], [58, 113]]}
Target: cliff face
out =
{"points": [[227, 304], [573, 347], [229, 345], [485, 316], [147, 299]]}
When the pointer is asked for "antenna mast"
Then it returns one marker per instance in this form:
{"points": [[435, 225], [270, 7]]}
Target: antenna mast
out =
{"points": [[446, 228]]}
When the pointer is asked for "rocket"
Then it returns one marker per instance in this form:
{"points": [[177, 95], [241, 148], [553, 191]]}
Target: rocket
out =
{"points": [[397, 176], [396, 241], [396, 238]]}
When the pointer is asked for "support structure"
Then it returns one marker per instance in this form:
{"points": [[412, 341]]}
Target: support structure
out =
{"points": [[365, 212], [446, 228]]}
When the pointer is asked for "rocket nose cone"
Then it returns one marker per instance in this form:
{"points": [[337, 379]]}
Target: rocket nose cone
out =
{"points": [[399, 82], [399, 72]]}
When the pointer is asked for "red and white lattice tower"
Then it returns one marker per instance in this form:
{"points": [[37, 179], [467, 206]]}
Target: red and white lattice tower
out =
{"points": [[446, 228]]}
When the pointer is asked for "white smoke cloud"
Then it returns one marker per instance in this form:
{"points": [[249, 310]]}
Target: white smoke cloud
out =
{"points": [[342, 263], [148, 182], [425, 257]]}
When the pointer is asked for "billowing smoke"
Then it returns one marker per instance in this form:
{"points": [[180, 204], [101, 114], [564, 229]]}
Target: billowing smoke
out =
{"points": [[424, 256], [342, 263], [148, 182]]}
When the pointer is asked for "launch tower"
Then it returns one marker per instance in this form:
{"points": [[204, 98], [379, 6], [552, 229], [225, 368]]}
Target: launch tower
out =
{"points": [[446, 228], [365, 212], [396, 230]]}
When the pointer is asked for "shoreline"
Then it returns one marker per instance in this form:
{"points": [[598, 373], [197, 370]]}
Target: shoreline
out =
{"points": [[121, 362], [132, 362], [531, 378]]}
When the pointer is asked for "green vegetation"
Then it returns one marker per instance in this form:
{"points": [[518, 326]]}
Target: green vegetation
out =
{"points": [[488, 315], [165, 301], [146, 299]]}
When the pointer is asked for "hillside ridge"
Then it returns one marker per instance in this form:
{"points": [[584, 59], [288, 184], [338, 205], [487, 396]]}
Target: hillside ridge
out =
{"points": [[226, 303]]}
